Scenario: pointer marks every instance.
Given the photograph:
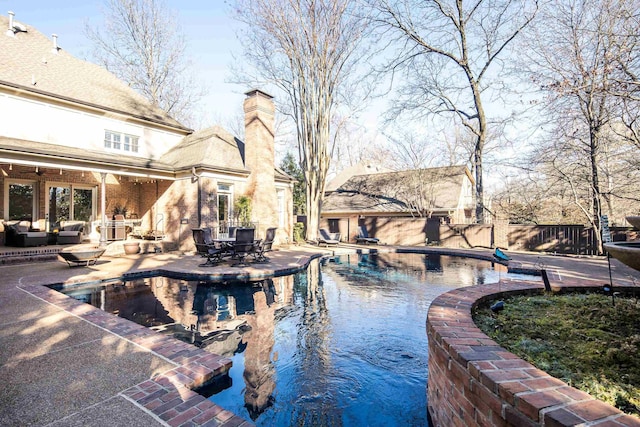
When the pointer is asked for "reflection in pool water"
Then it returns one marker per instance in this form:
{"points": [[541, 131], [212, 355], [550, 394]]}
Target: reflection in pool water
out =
{"points": [[342, 343]]}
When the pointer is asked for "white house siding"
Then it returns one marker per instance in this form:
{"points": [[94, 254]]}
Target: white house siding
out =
{"points": [[38, 121]]}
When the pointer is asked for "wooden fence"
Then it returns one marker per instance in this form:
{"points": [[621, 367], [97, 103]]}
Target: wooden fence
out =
{"points": [[562, 239]]}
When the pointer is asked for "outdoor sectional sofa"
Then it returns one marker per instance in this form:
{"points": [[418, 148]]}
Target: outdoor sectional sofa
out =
{"points": [[22, 234], [70, 233]]}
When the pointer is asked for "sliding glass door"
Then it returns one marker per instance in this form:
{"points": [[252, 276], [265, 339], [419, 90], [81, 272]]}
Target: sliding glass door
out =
{"points": [[70, 203], [59, 205], [83, 204]]}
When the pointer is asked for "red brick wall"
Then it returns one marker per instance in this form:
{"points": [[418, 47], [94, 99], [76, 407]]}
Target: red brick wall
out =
{"points": [[413, 231], [475, 382]]}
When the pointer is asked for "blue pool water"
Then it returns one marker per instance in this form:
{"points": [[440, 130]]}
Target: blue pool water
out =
{"points": [[340, 344]]}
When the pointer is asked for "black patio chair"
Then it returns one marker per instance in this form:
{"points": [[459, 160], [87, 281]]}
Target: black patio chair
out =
{"points": [[244, 245], [205, 247], [265, 245]]}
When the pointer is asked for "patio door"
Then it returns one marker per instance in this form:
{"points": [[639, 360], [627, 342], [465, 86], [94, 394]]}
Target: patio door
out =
{"points": [[59, 205], [20, 203], [225, 203], [67, 202]]}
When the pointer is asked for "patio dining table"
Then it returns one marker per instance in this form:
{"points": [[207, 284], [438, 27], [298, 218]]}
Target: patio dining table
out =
{"points": [[226, 244]]}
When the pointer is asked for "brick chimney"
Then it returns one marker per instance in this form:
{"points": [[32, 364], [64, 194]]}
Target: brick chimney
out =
{"points": [[259, 113]]}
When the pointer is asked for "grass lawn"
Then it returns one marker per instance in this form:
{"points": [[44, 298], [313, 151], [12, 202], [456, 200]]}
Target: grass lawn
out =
{"points": [[581, 339]]}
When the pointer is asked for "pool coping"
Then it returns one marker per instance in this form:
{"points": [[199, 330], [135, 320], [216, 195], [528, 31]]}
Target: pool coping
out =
{"points": [[170, 396]]}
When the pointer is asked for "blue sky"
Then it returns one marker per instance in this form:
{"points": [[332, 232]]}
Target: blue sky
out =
{"points": [[210, 34]]}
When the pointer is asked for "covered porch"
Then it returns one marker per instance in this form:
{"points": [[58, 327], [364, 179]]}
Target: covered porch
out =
{"points": [[50, 192]]}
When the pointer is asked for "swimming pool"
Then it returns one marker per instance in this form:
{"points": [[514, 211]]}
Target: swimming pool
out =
{"points": [[342, 343]]}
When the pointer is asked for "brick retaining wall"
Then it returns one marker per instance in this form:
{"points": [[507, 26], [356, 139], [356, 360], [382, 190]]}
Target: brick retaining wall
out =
{"points": [[475, 382]]}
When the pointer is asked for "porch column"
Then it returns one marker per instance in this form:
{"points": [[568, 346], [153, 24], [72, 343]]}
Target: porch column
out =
{"points": [[103, 208]]}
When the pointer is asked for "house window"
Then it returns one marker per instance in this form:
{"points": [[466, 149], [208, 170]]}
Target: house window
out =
{"points": [[20, 203], [120, 141], [334, 225]]}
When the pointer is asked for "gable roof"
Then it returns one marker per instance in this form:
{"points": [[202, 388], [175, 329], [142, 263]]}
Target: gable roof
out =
{"points": [[362, 168], [30, 63], [397, 191]]}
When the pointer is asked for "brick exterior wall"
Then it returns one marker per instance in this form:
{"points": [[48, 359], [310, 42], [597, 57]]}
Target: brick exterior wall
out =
{"points": [[414, 231], [162, 204], [259, 157], [475, 382]]}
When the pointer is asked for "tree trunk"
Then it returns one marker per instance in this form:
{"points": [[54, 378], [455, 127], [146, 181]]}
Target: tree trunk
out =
{"points": [[314, 207], [595, 182], [477, 159], [481, 132]]}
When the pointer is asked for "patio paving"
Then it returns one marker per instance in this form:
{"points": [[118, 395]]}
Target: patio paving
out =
{"points": [[63, 363]]}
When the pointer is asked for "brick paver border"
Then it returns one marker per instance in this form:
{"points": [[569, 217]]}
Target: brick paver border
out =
{"points": [[475, 382], [168, 396]]}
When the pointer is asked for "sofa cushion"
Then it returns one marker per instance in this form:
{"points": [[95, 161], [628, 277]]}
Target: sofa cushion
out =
{"points": [[35, 234], [22, 226], [73, 226]]}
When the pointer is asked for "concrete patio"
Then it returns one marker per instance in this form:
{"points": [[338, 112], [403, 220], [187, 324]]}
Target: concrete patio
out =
{"points": [[64, 363]]}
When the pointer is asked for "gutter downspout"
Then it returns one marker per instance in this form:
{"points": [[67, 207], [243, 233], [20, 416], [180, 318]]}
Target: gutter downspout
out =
{"points": [[199, 204], [103, 208]]}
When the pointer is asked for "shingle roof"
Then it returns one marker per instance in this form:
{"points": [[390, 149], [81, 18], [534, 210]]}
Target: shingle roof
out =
{"points": [[212, 148], [362, 168], [208, 148], [29, 63], [395, 191], [20, 148]]}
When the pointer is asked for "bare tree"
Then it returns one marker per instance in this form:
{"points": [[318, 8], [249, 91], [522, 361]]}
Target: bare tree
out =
{"points": [[573, 57], [308, 49], [627, 83], [142, 44], [447, 50]]}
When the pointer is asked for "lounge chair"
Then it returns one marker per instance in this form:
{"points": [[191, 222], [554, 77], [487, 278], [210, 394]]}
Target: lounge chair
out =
{"points": [[265, 245], [244, 245], [154, 235], [327, 238], [363, 237]]}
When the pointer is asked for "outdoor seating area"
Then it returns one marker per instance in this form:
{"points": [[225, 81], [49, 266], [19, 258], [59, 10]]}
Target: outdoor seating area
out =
{"points": [[238, 248], [34, 233]]}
